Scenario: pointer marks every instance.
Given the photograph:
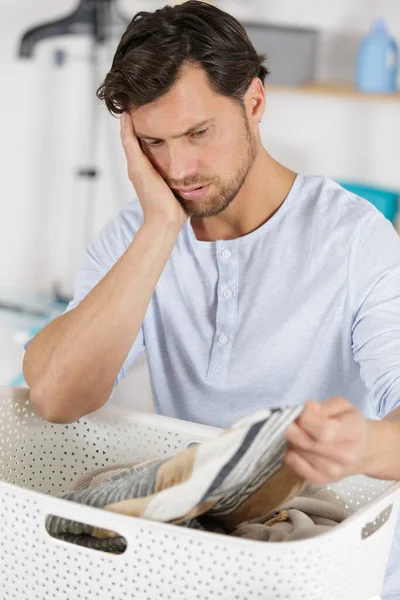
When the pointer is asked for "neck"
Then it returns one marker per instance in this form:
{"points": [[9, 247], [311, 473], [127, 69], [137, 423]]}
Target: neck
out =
{"points": [[264, 191]]}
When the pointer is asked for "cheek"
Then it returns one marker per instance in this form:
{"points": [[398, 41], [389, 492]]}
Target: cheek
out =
{"points": [[221, 158], [220, 153], [230, 145]]}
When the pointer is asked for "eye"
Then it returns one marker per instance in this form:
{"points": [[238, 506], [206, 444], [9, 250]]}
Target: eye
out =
{"points": [[200, 133], [154, 144]]}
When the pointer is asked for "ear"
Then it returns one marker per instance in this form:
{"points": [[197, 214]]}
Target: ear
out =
{"points": [[254, 101]]}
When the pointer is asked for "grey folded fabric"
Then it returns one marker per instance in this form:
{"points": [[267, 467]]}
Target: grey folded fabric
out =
{"points": [[103, 473], [314, 511]]}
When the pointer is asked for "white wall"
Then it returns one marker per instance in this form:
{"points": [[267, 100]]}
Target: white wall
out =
{"points": [[44, 114]]}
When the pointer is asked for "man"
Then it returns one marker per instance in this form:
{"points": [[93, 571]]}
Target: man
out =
{"points": [[248, 285]]}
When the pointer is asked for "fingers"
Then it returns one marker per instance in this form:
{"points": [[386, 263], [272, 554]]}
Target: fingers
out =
{"points": [[138, 162], [333, 420], [327, 441], [127, 128], [129, 139], [314, 468], [300, 441], [335, 406], [316, 424], [331, 407]]}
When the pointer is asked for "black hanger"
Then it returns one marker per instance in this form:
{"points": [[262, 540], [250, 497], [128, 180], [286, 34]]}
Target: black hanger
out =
{"points": [[97, 18]]}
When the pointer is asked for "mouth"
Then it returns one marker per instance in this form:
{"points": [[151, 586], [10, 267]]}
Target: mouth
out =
{"points": [[194, 193]]}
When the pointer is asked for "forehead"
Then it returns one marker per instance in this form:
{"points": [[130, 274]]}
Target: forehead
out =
{"points": [[190, 100]]}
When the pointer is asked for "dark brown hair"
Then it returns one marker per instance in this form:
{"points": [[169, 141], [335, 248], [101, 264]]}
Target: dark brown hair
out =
{"points": [[155, 47]]}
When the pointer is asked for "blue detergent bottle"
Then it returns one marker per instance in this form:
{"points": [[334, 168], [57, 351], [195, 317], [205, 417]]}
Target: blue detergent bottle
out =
{"points": [[377, 62]]}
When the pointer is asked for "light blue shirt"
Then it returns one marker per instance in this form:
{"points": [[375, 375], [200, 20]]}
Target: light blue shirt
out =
{"points": [[306, 306]]}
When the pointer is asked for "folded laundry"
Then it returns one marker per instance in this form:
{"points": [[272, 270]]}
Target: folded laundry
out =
{"points": [[314, 511], [233, 483]]}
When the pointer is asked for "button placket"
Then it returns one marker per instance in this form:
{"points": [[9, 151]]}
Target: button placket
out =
{"points": [[226, 309]]}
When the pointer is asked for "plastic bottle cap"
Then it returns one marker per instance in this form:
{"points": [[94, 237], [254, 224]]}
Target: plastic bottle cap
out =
{"points": [[379, 25]]}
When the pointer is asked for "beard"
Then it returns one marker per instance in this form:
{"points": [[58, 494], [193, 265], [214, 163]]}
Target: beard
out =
{"points": [[227, 191]]}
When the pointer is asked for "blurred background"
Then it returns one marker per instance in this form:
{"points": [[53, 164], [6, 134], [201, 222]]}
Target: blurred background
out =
{"points": [[332, 109]]}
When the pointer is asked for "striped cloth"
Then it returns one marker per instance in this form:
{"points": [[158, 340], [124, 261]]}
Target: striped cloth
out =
{"points": [[231, 479]]}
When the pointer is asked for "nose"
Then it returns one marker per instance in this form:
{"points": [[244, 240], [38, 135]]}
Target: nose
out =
{"points": [[181, 163]]}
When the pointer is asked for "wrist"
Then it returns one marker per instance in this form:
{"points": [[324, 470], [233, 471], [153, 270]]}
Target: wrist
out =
{"points": [[372, 448], [158, 227], [383, 447]]}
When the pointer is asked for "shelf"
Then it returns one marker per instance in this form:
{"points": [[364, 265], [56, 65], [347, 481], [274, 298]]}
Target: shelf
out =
{"points": [[344, 90]]}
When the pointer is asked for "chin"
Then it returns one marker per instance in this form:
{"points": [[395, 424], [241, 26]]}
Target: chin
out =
{"points": [[206, 211], [210, 207]]}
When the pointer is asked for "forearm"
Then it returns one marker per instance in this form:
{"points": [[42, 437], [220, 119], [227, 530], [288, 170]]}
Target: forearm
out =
{"points": [[383, 453], [71, 365]]}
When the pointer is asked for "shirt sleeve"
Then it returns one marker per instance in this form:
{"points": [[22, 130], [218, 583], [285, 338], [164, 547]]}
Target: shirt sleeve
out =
{"points": [[374, 291], [101, 255]]}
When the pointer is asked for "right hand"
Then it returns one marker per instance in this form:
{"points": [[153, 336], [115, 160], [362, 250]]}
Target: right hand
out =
{"points": [[158, 202]]}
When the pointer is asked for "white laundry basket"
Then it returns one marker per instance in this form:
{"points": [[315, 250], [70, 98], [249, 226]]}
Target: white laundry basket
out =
{"points": [[39, 460]]}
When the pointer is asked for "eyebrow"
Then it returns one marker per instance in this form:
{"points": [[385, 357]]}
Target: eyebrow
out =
{"points": [[174, 137]]}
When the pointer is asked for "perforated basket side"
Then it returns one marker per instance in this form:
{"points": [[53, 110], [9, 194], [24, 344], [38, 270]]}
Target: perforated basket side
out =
{"points": [[162, 561], [47, 457]]}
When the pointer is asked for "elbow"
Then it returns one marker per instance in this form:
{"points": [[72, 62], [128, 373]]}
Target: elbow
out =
{"points": [[49, 401], [44, 406]]}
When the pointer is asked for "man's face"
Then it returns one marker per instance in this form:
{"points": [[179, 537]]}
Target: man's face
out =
{"points": [[194, 137]]}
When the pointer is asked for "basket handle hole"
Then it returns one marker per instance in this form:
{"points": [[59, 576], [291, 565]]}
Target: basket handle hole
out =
{"points": [[191, 443], [78, 533], [373, 526]]}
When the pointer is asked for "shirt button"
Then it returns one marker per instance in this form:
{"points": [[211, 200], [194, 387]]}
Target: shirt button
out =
{"points": [[223, 339], [227, 294], [226, 253]]}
